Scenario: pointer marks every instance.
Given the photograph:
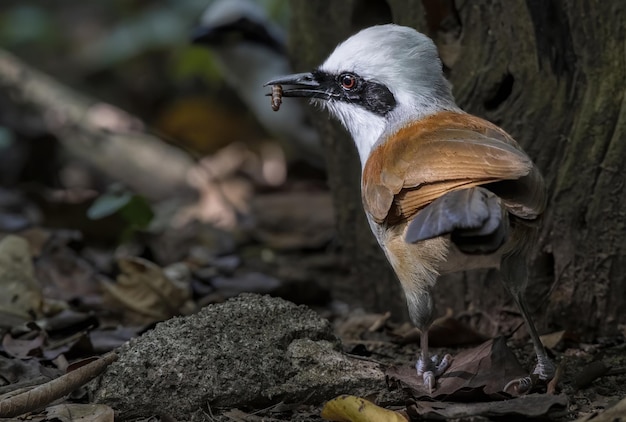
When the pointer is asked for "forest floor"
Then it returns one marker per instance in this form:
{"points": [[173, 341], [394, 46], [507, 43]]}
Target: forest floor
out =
{"points": [[77, 298]]}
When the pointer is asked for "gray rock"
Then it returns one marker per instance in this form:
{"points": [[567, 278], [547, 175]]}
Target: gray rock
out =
{"points": [[249, 352]]}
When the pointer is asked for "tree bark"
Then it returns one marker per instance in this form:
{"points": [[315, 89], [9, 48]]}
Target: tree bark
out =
{"points": [[553, 74]]}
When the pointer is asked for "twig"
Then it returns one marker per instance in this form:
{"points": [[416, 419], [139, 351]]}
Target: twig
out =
{"points": [[44, 394]]}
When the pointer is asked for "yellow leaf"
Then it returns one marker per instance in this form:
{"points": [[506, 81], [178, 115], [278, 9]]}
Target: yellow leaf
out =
{"points": [[356, 409]]}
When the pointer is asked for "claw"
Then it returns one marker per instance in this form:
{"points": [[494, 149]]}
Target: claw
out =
{"points": [[431, 368], [544, 371], [429, 381], [420, 367], [523, 385], [443, 364]]}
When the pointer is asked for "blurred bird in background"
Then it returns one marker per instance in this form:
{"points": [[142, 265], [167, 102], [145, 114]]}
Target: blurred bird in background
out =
{"points": [[250, 49]]}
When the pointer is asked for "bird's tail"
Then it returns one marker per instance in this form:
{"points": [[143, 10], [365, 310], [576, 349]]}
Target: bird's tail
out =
{"points": [[475, 219]]}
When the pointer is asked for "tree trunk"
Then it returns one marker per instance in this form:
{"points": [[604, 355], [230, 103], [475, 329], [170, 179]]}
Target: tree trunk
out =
{"points": [[553, 74]]}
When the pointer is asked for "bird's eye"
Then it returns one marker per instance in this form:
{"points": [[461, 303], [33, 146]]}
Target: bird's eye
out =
{"points": [[348, 81]]}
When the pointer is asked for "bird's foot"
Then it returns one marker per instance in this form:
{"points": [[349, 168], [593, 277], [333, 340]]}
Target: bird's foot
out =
{"points": [[542, 374], [430, 369]]}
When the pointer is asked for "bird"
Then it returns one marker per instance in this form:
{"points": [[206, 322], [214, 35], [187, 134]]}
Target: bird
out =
{"points": [[248, 49], [435, 180]]}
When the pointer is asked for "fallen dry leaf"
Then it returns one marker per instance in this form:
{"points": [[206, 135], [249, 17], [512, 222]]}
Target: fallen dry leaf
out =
{"points": [[347, 408], [529, 406], [38, 397], [356, 325], [479, 373], [552, 340], [612, 414], [24, 348], [75, 412], [19, 373], [21, 297], [144, 288]]}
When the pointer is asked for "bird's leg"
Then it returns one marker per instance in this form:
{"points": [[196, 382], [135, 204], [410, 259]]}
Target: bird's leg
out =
{"points": [[545, 369], [421, 306], [430, 367]]}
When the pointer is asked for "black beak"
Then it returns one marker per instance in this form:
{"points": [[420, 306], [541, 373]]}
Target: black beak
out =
{"points": [[303, 85]]}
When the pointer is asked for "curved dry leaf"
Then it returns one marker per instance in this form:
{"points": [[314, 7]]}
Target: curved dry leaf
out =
{"points": [[144, 288], [347, 408], [529, 406], [475, 374], [38, 397]]}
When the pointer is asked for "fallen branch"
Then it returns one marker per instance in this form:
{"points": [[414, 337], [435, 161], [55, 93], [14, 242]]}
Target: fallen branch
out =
{"points": [[110, 139]]}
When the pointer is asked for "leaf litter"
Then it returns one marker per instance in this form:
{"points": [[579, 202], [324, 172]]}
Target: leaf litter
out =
{"points": [[81, 297]]}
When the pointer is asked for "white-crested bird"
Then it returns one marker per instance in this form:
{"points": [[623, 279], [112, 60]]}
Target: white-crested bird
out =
{"points": [[434, 178], [249, 49]]}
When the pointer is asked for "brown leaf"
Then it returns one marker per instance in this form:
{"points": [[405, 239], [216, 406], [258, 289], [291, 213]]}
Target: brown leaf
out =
{"points": [[20, 372], [532, 405], [552, 340], [476, 374], [613, 414], [143, 287], [80, 413], [44, 394], [24, 348], [358, 324]]}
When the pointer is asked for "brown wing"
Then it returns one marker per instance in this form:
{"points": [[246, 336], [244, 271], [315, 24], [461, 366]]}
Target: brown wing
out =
{"points": [[446, 152]]}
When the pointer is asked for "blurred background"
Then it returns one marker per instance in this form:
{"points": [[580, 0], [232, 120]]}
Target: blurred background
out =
{"points": [[137, 55], [132, 67], [128, 140]]}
